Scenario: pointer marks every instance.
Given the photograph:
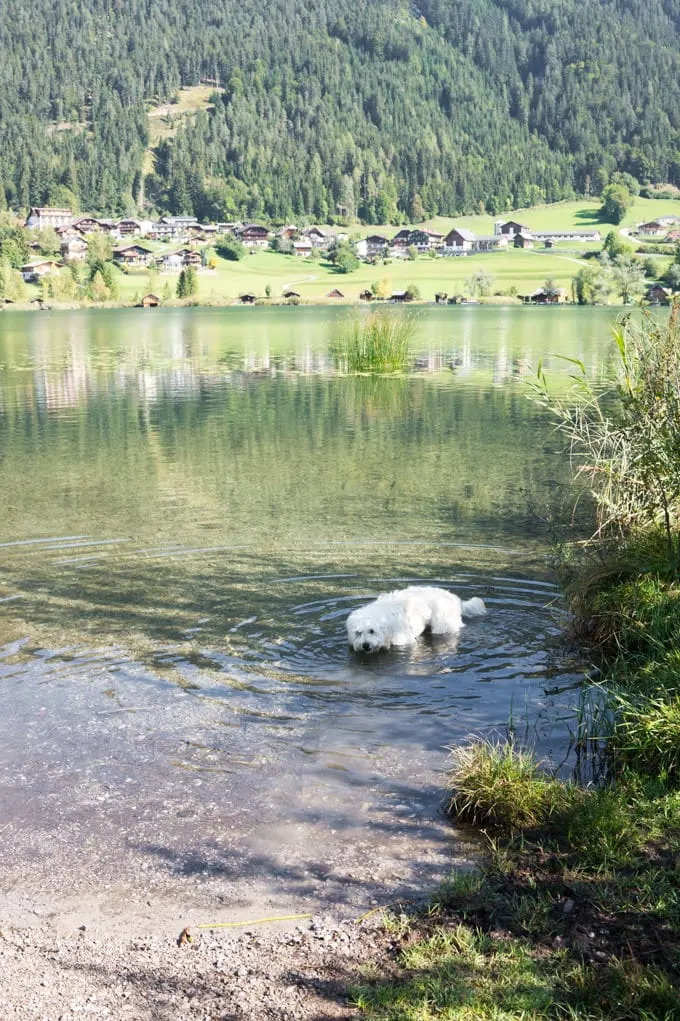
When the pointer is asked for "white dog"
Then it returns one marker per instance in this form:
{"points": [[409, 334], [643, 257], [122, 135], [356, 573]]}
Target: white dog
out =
{"points": [[397, 618]]}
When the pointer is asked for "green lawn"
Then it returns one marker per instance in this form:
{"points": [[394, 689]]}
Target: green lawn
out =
{"points": [[581, 213], [525, 270]]}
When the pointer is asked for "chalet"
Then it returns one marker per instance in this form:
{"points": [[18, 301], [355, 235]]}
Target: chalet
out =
{"points": [[32, 272], [399, 244], [247, 299], [74, 249], [366, 295], [398, 296], [170, 262], [658, 295], [182, 222], [169, 227], [150, 301], [131, 228], [654, 228], [254, 235], [335, 293], [523, 239], [288, 233], [421, 240], [376, 246], [302, 248], [173, 262], [132, 255], [85, 224], [510, 227], [317, 237], [48, 216], [458, 240], [291, 294], [441, 297]]}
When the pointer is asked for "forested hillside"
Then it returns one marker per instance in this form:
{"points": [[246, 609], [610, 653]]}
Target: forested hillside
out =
{"points": [[383, 111]]}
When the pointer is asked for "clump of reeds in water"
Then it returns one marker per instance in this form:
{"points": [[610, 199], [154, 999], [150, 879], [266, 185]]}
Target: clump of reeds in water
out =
{"points": [[379, 341]]}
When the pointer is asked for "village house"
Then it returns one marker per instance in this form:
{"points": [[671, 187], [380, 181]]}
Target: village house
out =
{"points": [[131, 227], [132, 255], [85, 224], [32, 272], [74, 249], [653, 228], [302, 248], [510, 227], [458, 241], [173, 262], [253, 235], [48, 216], [366, 295], [335, 292], [376, 246], [399, 244], [421, 240], [656, 294], [317, 238], [523, 239]]}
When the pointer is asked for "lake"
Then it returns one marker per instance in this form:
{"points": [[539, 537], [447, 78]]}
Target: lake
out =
{"points": [[192, 501]]}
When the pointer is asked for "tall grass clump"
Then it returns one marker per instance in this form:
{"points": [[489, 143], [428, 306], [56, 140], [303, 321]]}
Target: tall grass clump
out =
{"points": [[378, 341], [623, 434], [500, 785]]}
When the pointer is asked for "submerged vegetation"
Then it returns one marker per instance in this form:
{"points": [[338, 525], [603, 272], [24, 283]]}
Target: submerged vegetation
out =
{"points": [[378, 341], [576, 911]]}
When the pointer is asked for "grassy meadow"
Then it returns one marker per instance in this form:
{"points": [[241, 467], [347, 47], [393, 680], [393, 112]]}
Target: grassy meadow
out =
{"points": [[312, 279], [513, 271]]}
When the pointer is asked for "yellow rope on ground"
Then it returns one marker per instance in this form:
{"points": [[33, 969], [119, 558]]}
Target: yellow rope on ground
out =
{"points": [[253, 921], [380, 907]]}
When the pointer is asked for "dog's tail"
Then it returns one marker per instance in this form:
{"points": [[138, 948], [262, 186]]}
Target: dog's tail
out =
{"points": [[473, 607]]}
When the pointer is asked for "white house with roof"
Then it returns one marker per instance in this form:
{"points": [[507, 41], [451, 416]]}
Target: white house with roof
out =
{"points": [[458, 241], [49, 216]]}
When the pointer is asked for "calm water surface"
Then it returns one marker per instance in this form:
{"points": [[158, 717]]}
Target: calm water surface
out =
{"points": [[192, 501]]}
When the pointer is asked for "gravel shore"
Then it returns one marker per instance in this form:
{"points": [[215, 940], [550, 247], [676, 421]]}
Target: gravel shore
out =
{"points": [[295, 972]]}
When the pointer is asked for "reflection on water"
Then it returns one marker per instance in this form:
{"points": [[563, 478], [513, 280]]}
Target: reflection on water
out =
{"points": [[192, 502]]}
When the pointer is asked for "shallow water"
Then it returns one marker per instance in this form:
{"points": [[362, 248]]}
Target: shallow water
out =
{"points": [[192, 501]]}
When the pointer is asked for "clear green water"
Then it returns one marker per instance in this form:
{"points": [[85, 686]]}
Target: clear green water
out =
{"points": [[191, 502]]}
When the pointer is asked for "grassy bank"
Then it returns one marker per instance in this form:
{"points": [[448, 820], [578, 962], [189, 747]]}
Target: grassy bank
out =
{"points": [[576, 911]]}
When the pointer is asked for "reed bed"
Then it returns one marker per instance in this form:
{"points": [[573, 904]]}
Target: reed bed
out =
{"points": [[377, 341]]}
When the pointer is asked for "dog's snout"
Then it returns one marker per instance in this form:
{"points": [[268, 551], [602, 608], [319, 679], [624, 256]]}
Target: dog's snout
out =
{"points": [[366, 646]]}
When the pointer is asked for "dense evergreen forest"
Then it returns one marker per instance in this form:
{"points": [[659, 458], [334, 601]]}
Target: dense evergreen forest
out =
{"points": [[384, 111]]}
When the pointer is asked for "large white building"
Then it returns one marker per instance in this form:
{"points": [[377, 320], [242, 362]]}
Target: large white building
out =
{"points": [[49, 216]]}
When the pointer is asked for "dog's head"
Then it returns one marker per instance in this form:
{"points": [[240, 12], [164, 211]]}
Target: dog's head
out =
{"points": [[367, 631]]}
